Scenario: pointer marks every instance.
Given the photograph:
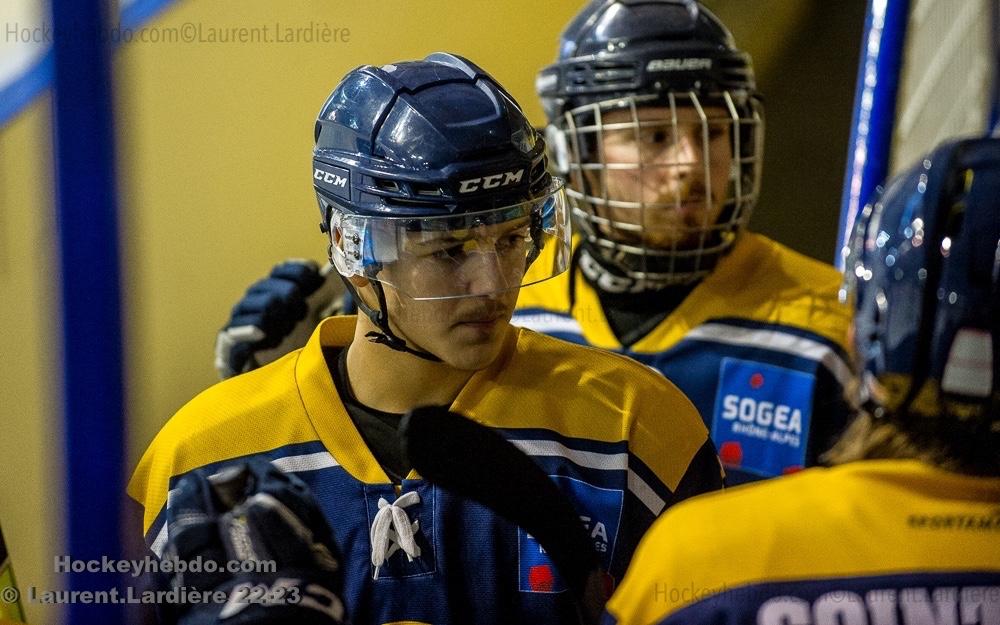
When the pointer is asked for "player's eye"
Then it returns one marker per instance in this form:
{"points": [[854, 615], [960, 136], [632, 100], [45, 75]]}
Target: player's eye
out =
{"points": [[656, 136], [511, 241], [453, 252], [717, 132]]}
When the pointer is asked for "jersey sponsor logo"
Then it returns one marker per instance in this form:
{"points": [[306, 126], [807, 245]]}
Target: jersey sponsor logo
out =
{"points": [[335, 180], [972, 605], [600, 512], [761, 417], [491, 182], [678, 65]]}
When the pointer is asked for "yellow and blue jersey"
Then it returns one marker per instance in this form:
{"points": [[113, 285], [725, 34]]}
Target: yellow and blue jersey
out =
{"points": [[617, 438], [886, 542], [759, 346]]}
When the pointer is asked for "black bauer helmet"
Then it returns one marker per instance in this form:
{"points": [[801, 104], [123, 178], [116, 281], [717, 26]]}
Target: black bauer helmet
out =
{"points": [[655, 120]]}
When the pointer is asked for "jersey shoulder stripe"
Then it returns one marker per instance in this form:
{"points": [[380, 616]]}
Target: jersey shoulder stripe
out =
{"points": [[600, 462], [777, 338]]}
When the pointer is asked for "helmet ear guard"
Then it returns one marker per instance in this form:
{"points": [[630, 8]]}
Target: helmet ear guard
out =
{"points": [[353, 243]]}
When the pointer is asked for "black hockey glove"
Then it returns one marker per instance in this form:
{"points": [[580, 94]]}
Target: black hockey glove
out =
{"points": [[251, 547], [276, 315]]}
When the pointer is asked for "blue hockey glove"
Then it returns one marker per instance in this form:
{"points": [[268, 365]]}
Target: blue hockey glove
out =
{"points": [[273, 552], [277, 315]]}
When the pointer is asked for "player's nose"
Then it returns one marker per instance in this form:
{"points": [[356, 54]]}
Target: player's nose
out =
{"points": [[674, 166], [685, 153], [483, 273]]}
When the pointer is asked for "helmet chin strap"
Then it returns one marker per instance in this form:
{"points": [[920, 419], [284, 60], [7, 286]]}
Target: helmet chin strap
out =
{"points": [[380, 318]]}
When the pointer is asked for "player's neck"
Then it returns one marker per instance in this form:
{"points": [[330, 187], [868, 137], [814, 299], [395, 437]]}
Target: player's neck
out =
{"points": [[393, 381]]}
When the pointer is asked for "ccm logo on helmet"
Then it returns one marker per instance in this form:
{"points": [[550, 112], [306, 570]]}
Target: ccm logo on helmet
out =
{"points": [[491, 182], [331, 179], [678, 65]]}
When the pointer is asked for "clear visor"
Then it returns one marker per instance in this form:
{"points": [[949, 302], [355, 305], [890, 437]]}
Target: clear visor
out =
{"points": [[466, 255]]}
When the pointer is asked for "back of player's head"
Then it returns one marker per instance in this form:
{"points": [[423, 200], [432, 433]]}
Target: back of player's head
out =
{"points": [[619, 56], [924, 272]]}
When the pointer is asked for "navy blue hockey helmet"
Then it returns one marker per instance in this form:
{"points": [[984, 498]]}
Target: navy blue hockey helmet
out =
{"points": [[651, 71], [924, 272], [434, 159]]}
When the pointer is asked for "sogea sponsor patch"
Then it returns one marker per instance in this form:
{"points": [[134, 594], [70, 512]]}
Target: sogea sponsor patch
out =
{"points": [[600, 513], [761, 417]]}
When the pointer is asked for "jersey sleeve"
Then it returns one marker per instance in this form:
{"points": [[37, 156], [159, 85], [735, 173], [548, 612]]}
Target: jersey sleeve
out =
{"points": [[671, 458]]}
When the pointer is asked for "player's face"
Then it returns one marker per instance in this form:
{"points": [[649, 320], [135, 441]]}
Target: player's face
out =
{"points": [[485, 266], [673, 174]]}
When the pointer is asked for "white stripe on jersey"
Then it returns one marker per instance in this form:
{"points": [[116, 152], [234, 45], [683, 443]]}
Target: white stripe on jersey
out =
{"points": [[641, 489], [778, 341], [160, 542], [306, 462], [596, 460], [589, 459], [546, 322], [288, 464]]}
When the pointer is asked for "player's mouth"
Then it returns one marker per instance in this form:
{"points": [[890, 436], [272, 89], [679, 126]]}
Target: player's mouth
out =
{"points": [[692, 203], [485, 321]]}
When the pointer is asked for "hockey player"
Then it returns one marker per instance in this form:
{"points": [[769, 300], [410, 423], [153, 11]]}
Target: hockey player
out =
{"points": [[655, 119], [438, 206], [905, 528]]}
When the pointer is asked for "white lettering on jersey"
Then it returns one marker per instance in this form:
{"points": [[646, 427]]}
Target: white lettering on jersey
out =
{"points": [[491, 182], [840, 608], [974, 605], [784, 611], [764, 414], [599, 533]]}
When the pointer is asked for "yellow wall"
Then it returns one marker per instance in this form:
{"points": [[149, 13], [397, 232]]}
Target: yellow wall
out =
{"points": [[30, 440]]}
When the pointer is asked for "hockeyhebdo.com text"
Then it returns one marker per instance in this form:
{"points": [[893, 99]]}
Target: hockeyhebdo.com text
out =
{"points": [[186, 33], [169, 565]]}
